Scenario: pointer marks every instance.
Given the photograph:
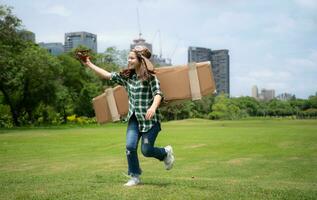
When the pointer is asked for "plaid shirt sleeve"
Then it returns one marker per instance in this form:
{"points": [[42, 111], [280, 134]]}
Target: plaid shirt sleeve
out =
{"points": [[116, 78], [155, 87]]}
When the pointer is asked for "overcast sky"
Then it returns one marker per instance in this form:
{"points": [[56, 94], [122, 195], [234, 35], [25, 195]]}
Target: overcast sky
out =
{"points": [[272, 44]]}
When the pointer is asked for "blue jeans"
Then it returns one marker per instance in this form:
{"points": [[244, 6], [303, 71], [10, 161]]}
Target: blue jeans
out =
{"points": [[147, 147]]}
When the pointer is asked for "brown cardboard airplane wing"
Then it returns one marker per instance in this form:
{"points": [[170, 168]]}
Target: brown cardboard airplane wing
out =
{"points": [[185, 81], [181, 82], [111, 105]]}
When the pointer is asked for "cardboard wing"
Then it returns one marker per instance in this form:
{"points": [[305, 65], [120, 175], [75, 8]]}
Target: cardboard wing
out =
{"points": [[186, 81], [181, 82], [111, 105]]}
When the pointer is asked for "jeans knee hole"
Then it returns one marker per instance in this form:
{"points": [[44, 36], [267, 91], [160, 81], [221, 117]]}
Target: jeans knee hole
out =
{"points": [[146, 141]]}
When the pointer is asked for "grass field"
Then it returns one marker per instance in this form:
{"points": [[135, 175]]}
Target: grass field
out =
{"points": [[255, 159]]}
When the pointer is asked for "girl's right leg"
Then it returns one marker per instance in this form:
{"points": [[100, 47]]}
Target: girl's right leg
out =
{"points": [[132, 140]]}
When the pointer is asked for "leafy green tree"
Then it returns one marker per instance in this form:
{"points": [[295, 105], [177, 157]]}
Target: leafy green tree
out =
{"points": [[313, 101], [201, 108], [247, 104], [262, 109], [64, 103], [116, 57], [10, 44], [173, 111], [28, 72], [225, 108], [299, 105], [83, 105], [28, 81], [5, 117], [73, 74], [280, 108], [73, 79]]}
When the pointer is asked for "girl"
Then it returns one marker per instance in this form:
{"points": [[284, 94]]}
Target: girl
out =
{"points": [[145, 97]]}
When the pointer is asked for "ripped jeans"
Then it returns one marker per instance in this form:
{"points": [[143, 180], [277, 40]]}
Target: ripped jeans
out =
{"points": [[147, 145]]}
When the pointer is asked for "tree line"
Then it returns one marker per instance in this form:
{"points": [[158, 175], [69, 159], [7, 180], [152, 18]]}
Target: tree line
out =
{"points": [[222, 107], [37, 88]]}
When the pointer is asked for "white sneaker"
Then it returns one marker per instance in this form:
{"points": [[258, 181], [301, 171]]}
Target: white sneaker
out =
{"points": [[134, 180], [169, 159]]}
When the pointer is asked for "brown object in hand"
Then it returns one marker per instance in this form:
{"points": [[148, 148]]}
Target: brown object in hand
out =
{"points": [[82, 55]]}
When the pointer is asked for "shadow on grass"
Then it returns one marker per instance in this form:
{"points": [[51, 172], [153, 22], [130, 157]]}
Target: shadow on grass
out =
{"points": [[157, 184]]}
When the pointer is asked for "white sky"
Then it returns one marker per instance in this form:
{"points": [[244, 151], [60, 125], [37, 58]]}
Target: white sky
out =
{"points": [[272, 44]]}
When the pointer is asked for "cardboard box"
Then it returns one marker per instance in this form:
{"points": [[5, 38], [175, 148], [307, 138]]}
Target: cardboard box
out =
{"points": [[178, 84], [111, 105], [181, 82]]}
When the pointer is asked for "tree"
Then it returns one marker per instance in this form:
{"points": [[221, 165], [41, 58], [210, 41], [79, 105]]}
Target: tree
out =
{"points": [[28, 72], [225, 108], [117, 57], [247, 104], [313, 101], [201, 108], [28, 81], [8, 40], [280, 108], [83, 105]]}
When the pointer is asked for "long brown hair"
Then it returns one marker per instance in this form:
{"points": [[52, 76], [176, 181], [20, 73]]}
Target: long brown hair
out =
{"points": [[144, 72]]}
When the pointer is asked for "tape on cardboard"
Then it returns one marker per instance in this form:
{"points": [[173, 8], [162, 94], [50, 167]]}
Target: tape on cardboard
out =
{"points": [[194, 81], [112, 105]]}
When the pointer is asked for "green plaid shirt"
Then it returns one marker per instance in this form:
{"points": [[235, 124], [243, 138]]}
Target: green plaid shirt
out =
{"points": [[141, 95]]}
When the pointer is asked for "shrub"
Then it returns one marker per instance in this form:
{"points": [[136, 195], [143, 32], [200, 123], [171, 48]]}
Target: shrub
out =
{"points": [[5, 117]]}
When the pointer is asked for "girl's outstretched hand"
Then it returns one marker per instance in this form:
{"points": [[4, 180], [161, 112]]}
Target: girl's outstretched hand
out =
{"points": [[83, 56]]}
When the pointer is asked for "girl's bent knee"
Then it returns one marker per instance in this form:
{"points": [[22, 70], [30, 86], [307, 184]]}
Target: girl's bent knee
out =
{"points": [[147, 150]]}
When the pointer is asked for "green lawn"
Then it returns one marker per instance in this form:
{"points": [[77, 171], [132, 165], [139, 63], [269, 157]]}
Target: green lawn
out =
{"points": [[254, 159]]}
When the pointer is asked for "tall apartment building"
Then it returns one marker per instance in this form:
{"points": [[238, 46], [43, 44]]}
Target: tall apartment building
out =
{"points": [[220, 62], [54, 48], [74, 39]]}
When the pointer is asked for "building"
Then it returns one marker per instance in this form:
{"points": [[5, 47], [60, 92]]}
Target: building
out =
{"points": [[155, 59], [140, 41], [53, 48], [220, 66], [27, 35], [267, 95], [264, 95], [220, 62], [74, 39], [285, 96], [199, 54], [255, 92], [159, 61]]}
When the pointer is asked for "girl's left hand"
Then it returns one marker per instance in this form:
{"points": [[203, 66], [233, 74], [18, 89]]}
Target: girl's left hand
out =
{"points": [[150, 113]]}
